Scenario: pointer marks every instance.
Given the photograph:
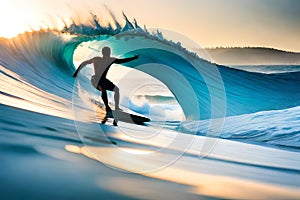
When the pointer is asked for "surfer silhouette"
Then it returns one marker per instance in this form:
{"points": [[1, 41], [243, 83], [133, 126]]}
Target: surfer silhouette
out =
{"points": [[99, 80]]}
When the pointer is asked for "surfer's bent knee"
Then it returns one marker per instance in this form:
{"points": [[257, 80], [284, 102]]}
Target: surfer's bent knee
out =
{"points": [[116, 89], [100, 88]]}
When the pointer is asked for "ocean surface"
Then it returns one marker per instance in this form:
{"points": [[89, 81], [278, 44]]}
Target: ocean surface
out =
{"points": [[216, 131]]}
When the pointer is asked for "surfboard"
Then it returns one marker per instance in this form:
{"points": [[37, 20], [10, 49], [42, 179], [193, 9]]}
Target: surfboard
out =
{"points": [[126, 117]]}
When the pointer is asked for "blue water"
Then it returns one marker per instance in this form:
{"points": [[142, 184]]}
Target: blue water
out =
{"points": [[38, 91], [204, 90]]}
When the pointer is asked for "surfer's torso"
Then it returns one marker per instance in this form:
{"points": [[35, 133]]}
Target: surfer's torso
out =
{"points": [[102, 65]]}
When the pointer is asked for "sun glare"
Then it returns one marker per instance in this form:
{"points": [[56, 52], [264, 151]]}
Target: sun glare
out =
{"points": [[12, 19], [19, 16]]}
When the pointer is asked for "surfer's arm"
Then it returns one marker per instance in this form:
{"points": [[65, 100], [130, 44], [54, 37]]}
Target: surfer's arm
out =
{"points": [[125, 60], [82, 65]]}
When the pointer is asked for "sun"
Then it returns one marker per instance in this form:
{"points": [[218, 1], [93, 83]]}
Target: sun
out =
{"points": [[13, 18], [18, 16], [10, 28]]}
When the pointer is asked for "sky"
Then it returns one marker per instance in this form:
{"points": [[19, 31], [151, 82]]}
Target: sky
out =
{"points": [[210, 23]]}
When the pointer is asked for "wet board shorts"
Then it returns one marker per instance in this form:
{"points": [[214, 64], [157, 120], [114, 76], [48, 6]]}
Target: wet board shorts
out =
{"points": [[103, 83]]}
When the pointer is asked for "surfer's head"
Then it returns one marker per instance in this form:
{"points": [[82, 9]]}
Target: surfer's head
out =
{"points": [[106, 52]]}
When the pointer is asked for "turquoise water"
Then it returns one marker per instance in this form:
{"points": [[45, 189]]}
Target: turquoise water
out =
{"points": [[37, 113]]}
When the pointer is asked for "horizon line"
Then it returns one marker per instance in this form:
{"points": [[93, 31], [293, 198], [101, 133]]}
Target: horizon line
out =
{"points": [[251, 47]]}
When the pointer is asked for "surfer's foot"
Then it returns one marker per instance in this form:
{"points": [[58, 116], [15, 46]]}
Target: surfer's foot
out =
{"points": [[118, 109]]}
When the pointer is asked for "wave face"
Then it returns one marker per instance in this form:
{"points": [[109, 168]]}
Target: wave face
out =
{"points": [[37, 68], [198, 84]]}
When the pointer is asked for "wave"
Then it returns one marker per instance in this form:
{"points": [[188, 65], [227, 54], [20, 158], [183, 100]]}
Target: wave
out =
{"points": [[37, 67], [277, 127]]}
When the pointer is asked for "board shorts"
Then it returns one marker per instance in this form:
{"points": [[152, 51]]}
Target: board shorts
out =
{"points": [[103, 83]]}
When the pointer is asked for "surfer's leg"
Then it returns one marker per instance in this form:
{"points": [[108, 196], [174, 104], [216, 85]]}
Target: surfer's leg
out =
{"points": [[104, 97], [112, 87], [105, 100], [117, 98]]}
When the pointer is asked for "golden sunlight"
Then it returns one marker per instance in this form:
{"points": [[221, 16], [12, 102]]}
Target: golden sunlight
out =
{"points": [[13, 19], [19, 16]]}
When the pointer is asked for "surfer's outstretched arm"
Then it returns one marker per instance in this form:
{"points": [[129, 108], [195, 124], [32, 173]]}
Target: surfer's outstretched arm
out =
{"points": [[82, 65], [125, 60]]}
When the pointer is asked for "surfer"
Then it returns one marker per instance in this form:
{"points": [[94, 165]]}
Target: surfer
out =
{"points": [[99, 80]]}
